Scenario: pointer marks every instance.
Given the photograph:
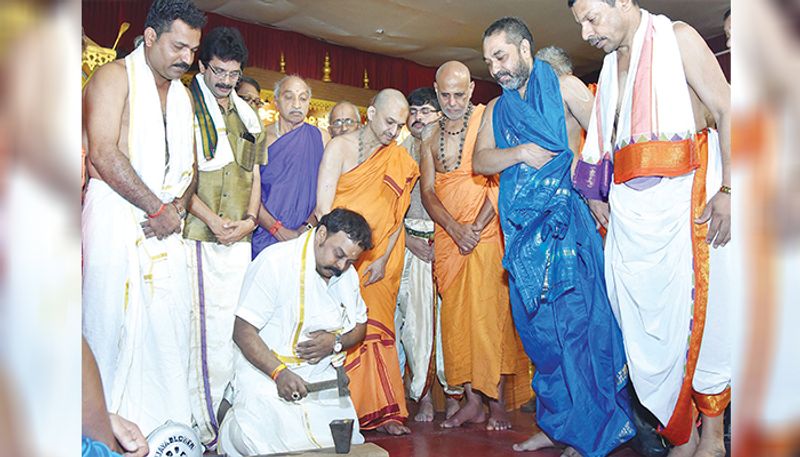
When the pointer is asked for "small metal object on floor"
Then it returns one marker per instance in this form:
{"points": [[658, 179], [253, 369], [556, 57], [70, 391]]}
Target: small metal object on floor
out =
{"points": [[356, 450]]}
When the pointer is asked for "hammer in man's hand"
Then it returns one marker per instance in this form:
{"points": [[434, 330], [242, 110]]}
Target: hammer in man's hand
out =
{"points": [[341, 383]]}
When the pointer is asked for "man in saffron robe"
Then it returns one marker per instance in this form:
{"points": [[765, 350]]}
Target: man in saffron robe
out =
{"points": [[554, 255], [289, 179], [669, 200], [481, 349], [367, 172], [417, 322]]}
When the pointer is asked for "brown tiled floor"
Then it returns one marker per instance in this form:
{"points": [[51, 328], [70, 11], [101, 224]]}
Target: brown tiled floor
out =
{"points": [[429, 440]]}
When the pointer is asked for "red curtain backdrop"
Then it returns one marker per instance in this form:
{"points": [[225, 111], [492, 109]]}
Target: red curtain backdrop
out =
{"points": [[304, 55]]}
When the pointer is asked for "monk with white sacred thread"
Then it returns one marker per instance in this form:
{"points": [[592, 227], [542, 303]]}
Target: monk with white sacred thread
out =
{"points": [[667, 179], [299, 311], [136, 293]]}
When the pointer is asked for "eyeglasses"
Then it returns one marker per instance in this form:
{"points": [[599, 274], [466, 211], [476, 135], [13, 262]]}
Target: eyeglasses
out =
{"points": [[343, 122], [252, 100], [424, 111], [220, 73]]}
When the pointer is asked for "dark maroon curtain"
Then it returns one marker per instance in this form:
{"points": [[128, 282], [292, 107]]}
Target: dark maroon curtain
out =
{"points": [[304, 55]]}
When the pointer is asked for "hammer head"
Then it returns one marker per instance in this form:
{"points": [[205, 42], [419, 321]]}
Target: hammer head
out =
{"points": [[342, 381]]}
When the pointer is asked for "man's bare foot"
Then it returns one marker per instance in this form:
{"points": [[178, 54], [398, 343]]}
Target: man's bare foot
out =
{"points": [[534, 443], [710, 450], [471, 412], [451, 407], [712, 440], [687, 449], [498, 417], [425, 413], [570, 452], [394, 428]]}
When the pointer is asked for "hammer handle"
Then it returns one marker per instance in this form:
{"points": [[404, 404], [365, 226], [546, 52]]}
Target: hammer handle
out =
{"points": [[322, 385]]}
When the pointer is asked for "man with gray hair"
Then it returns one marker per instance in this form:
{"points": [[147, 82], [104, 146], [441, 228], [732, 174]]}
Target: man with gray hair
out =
{"points": [[289, 180], [557, 58]]}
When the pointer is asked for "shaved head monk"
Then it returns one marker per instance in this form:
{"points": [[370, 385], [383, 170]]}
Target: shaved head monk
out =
{"points": [[368, 172], [482, 352]]}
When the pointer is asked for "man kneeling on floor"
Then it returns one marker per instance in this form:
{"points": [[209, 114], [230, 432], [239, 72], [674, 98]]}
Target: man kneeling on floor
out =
{"points": [[300, 308]]}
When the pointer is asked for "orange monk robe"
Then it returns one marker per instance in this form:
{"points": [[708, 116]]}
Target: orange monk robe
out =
{"points": [[479, 339], [380, 190]]}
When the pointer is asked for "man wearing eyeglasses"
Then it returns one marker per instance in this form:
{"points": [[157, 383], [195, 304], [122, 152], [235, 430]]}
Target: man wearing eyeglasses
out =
{"points": [[343, 118], [415, 318], [249, 90], [230, 146]]}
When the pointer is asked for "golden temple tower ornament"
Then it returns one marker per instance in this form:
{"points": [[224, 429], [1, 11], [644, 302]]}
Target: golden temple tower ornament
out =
{"points": [[366, 79], [326, 69], [283, 63]]}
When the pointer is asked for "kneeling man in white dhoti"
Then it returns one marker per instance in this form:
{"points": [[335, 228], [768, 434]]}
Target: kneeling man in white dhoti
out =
{"points": [[300, 308]]}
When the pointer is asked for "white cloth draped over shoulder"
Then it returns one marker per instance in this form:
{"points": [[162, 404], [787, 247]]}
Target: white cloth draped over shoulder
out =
{"points": [[649, 247], [135, 290], [223, 154]]}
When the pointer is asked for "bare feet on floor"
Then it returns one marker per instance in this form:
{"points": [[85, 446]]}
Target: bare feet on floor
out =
{"points": [[425, 413], [452, 406], [710, 450], [688, 449], [471, 412], [498, 417], [712, 439], [394, 428], [570, 452], [534, 443]]}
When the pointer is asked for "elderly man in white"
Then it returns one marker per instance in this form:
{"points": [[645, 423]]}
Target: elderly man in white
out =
{"points": [[300, 308]]}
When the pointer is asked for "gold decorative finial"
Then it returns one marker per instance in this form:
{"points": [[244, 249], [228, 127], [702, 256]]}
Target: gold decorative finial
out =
{"points": [[366, 79], [283, 63], [326, 69]]}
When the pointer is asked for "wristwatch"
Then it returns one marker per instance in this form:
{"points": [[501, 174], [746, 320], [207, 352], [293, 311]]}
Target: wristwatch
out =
{"points": [[337, 344]]}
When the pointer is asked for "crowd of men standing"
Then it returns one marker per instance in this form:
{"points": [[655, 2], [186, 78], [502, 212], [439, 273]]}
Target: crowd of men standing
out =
{"points": [[228, 265]]}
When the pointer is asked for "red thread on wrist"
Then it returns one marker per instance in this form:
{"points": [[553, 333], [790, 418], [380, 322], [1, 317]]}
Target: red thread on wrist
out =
{"points": [[275, 227], [157, 213]]}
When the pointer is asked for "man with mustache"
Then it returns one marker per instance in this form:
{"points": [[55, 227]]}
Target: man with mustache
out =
{"points": [[343, 118], [368, 172], [136, 291], [482, 352], [417, 320], [289, 179], [299, 309], [553, 255], [670, 199], [222, 215]]}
